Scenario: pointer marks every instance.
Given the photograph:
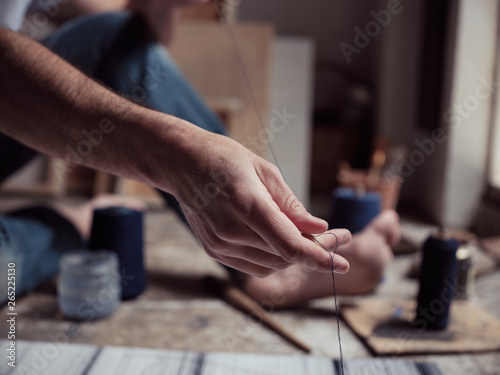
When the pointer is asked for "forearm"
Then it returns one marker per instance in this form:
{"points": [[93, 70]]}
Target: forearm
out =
{"points": [[48, 105]]}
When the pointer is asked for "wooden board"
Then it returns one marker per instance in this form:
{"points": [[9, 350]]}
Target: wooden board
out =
{"points": [[61, 358], [385, 327], [211, 11], [205, 54]]}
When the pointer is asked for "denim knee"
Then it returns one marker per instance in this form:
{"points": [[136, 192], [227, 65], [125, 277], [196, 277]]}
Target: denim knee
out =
{"points": [[119, 50]]}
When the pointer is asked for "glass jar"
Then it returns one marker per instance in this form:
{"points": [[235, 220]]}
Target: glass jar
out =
{"points": [[89, 284]]}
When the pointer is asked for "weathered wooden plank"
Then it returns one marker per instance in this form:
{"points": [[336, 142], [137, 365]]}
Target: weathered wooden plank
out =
{"points": [[54, 358]]}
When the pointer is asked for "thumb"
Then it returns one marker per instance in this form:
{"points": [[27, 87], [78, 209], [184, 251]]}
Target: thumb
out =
{"points": [[291, 206]]}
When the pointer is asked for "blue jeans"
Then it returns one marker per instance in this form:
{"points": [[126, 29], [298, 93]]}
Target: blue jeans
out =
{"points": [[119, 51]]}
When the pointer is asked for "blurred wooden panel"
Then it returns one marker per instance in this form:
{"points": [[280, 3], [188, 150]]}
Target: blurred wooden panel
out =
{"points": [[44, 176], [206, 11], [212, 10], [204, 52], [139, 190], [330, 146]]}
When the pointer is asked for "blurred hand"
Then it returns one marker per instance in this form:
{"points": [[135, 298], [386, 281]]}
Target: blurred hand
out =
{"points": [[369, 253], [386, 225], [242, 211], [372, 245]]}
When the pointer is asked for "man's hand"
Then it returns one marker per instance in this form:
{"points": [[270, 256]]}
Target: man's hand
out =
{"points": [[369, 254], [238, 204], [243, 212]]}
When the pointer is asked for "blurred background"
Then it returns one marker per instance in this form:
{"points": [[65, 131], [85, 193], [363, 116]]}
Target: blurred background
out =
{"points": [[397, 96]]}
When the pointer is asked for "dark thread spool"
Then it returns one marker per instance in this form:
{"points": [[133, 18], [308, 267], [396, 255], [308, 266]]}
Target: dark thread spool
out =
{"points": [[120, 229], [437, 282], [352, 210]]}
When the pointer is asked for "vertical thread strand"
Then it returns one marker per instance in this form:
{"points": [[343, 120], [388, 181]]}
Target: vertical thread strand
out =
{"points": [[275, 158], [249, 85], [337, 313]]}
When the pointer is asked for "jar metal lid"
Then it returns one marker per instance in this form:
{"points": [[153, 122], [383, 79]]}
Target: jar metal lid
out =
{"points": [[84, 262]]}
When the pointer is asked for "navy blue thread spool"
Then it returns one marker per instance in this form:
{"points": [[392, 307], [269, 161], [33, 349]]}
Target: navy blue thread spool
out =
{"points": [[120, 229], [437, 282], [353, 209]]}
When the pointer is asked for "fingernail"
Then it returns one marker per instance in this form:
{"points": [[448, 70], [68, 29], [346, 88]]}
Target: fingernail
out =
{"points": [[342, 266], [318, 220]]}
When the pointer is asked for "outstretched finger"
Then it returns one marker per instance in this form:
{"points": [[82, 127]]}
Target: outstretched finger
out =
{"points": [[287, 202], [332, 239], [288, 242]]}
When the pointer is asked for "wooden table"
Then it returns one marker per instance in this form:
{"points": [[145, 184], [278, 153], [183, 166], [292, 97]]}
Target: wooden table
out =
{"points": [[176, 313]]}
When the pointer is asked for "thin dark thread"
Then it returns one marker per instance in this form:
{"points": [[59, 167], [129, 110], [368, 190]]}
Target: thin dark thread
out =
{"points": [[92, 360], [261, 122], [249, 85], [334, 293]]}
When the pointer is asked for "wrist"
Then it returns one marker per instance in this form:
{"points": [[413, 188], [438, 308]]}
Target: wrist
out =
{"points": [[164, 147]]}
